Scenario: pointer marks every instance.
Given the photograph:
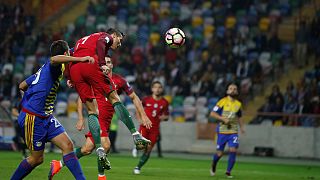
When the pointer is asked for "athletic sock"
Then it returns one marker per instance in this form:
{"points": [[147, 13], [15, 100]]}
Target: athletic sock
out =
{"points": [[215, 161], [231, 161], [124, 116], [100, 168], [94, 128], [78, 153], [144, 158], [71, 161], [22, 171]]}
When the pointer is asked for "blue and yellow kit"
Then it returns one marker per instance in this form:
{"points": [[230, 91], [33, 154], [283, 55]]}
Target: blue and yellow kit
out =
{"points": [[36, 119], [230, 109]]}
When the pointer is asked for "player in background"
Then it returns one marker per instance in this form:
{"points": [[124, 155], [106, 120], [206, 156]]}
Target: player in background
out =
{"points": [[157, 109], [18, 138], [228, 112], [106, 113], [93, 80], [36, 119]]}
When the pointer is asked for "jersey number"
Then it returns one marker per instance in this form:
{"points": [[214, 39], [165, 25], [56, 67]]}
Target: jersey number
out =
{"points": [[82, 41], [235, 140], [154, 113], [56, 122], [37, 76]]}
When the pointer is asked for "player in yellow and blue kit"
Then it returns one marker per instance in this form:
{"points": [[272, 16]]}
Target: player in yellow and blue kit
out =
{"points": [[228, 112], [36, 120]]}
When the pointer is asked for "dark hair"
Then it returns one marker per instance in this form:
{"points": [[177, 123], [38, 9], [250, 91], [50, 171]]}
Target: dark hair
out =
{"points": [[229, 84], [58, 47], [116, 31], [156, 82]]}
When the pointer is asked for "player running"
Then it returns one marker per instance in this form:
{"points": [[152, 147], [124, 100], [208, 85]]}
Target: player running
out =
{"points": [[157, 109], [92, 80], [106, 113], [228, 112], [36, 119]]}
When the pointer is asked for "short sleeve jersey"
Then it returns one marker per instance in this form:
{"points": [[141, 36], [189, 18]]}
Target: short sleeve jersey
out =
{"points": [[42, 90], [230, 109], [154, 109]]}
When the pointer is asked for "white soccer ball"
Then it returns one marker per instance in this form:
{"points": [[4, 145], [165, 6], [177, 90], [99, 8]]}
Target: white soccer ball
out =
{"points": [[175, 37]]}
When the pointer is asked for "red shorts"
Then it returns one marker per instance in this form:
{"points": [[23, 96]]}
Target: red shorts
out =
{"points": [[151, 134], [106, 112], [89, 80]]}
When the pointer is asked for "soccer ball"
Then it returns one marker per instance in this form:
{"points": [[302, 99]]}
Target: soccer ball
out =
{"points": [[175, 37]]}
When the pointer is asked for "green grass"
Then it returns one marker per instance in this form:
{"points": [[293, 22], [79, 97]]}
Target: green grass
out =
{"points": [[180, 167]]}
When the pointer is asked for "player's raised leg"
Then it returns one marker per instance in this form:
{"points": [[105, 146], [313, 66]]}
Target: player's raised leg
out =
{"points": [[233, 144], [153, 136], [215, 159], [29, 125], [28, 164], [70, 159], [143, 159], [221, 142], [87, 96], [124, 116]]}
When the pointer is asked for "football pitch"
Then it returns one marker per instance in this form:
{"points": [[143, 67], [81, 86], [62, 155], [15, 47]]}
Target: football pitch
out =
{"points": [[172, 167]]}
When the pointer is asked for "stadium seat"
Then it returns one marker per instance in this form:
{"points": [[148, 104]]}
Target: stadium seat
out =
{"points": [[112, 21], [201, 118], [189, 113], [177, 101], [7, 66], [168, 98], [264, 24], [62, 96], [189, 101], [212, 102], [179, 119], [202, 110], [177, 111], [231, 22], [72, 108], [201, 101], [61, 108], [73, 97]]}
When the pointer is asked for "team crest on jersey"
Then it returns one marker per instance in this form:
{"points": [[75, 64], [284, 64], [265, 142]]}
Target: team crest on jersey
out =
{"points": [[38, 144], [155, 105], [107, 39]]}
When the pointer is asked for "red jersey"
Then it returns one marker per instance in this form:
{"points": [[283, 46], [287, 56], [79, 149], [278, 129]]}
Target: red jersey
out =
{"points": [[121, 85], [154, 109], [95, 45]]}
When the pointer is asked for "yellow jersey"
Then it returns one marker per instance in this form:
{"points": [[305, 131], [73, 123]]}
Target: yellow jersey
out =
{"points": [[231, 109]]}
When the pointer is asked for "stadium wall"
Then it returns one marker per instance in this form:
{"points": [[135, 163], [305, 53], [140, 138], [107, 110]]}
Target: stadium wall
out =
{"points": [[295, 142]]}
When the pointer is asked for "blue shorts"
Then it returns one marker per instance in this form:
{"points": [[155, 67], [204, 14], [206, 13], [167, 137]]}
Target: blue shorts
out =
{"points": [[37, 131], [231, 139]]}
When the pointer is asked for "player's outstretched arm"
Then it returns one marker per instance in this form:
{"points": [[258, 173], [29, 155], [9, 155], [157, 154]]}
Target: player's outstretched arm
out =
{"points": [[140, 111], [241, 126], [59, 59]]}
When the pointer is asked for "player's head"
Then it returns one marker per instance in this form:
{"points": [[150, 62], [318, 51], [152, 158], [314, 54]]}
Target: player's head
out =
{"points": [[156, 88], [232, 90], [59, 47], [117, 37], [109, 63]]}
